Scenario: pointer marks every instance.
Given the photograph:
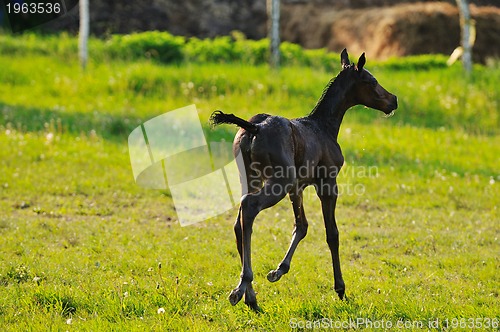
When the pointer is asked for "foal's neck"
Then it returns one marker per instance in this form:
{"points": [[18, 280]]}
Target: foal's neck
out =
{"points": [[332, 105]]}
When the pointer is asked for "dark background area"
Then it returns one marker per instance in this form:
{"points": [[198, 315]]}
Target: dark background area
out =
{"points": [[383, 28]]}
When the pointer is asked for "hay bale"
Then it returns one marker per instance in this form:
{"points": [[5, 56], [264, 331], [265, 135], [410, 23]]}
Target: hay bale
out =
{"points": [[404, 29]]}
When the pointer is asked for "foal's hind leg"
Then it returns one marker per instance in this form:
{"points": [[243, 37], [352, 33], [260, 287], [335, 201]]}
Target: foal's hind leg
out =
{"points": [[251, 204], [250, 297], [299, 233]]}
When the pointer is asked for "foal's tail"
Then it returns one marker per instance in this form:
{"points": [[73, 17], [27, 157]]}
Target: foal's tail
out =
{"points": [[219, 117]]}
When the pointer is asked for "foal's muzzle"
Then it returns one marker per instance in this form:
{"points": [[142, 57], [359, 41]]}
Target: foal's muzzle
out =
{"points": [[392, 105]]}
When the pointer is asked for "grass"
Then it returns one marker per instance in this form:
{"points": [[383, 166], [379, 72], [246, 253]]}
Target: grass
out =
{"points": [[84, 248]]}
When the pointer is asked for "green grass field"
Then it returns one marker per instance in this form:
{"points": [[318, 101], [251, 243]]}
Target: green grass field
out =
{"points": [[83, 248]]}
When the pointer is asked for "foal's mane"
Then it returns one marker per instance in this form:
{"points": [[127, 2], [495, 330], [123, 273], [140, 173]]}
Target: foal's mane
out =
{"points": [[327, 91]]}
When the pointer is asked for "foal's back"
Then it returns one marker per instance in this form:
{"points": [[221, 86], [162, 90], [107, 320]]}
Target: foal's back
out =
{"points": [[281, 142]]}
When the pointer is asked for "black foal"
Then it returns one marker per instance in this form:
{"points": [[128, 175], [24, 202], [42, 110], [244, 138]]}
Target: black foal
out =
{"points": [[283, 156]]}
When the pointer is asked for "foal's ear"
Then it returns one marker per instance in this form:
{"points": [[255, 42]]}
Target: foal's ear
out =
{"points": [[344, 59], [361, 62]]}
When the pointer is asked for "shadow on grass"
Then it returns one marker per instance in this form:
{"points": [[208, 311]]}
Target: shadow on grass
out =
{"points": [[113, 128], [404, 162]]}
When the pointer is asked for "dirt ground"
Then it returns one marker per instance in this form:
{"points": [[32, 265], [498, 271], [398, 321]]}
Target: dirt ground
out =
{"points": [[403, 29]]}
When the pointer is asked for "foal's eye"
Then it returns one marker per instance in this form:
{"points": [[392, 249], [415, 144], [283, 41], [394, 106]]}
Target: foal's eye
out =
{"points": [[372, 82]]}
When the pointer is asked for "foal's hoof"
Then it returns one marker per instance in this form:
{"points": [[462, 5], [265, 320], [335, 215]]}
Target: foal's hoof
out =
{"points": [[274, 275], [340, 293], [253, 305], [236, 296], [340, 288]]}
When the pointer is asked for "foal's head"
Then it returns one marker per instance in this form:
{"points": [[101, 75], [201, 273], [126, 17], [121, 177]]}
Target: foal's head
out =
{"points": [[366, 90]]}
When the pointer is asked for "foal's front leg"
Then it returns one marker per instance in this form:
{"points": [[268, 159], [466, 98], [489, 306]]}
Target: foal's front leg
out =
{"points": [[328, 202], [299, 232]]}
